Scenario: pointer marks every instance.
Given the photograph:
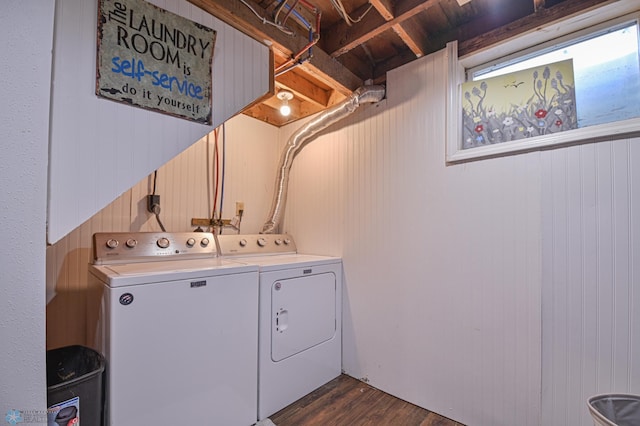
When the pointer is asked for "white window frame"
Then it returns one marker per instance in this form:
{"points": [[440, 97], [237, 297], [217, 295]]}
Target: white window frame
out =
{"points": [[593, 20]]}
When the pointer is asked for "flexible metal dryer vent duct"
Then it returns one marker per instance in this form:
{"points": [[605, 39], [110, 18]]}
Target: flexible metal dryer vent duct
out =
{"points": [[304, 135]]}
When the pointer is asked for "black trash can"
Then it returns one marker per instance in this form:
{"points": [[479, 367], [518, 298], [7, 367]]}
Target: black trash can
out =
{"points": [[75, 386]]}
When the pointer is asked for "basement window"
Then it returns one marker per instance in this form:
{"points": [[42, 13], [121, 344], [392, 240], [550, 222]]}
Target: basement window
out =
{"points": [[582, 86]]}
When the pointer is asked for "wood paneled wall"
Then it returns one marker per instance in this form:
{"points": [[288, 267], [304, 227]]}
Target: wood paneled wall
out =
{"points": [[99, 148]]}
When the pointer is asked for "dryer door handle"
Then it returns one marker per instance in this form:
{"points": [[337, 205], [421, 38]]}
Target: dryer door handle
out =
{"points": [[282, 320]]}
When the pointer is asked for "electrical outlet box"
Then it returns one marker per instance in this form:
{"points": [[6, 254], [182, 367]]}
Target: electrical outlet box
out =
{"points": [[239, 207], [153, 202]]}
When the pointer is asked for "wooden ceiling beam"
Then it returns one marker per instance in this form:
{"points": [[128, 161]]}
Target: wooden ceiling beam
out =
{"points": [[385, 9], [341, 38], [528, 23], [239, 16], [304, 89], [408, 40]]}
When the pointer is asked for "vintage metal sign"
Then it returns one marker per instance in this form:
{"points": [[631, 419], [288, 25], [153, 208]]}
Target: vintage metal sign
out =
{"points": [[154, 59]]}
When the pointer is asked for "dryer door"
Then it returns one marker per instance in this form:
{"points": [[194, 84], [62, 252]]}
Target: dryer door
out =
{"points": [[303, 313]]}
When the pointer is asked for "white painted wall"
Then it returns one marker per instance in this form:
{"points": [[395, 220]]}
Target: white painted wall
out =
{"points": [[496, 292], [26, 30], [442, 264], [100, 148], [591, 276], [186, 186]]}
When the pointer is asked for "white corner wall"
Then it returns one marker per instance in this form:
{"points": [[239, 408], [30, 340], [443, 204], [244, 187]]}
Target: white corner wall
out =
{"points": [[442, 264], [25, 70], [100, 148]]}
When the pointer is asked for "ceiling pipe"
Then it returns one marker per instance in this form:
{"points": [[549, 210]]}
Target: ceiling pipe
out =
{"points": [[304, 135]]}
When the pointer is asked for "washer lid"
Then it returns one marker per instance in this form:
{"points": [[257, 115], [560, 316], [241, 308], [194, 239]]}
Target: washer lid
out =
{"points": [[124, 274], [274, 262]]}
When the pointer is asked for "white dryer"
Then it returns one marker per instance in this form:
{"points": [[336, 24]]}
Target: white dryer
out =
{"points": [[178, 328], [300, 317]]}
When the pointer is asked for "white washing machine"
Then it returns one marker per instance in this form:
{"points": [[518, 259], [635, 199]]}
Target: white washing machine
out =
{"points": [[300, 325], [178, 328]]}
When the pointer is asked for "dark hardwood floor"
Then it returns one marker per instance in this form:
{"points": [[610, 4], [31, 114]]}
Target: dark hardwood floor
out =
{"points": [[346, 401]]}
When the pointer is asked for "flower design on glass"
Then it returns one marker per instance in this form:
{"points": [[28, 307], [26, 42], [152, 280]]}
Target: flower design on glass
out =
{"points": [[14, 417], [558, 122], [479, 128], [508, 121], [541, 113]]}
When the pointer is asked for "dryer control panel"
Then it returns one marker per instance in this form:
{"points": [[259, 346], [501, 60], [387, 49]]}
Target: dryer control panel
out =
{"points": [[254, 244], [131, 247]]}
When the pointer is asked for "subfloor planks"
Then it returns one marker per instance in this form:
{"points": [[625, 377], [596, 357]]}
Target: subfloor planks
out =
{"points": [[347, 401]]}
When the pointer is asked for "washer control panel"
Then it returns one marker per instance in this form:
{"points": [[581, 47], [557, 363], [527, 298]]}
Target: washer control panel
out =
{"points": [[130, 247], [254, 244]]}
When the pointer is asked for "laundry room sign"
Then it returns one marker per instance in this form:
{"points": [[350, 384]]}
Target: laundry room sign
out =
{"points": [[153, 59]]}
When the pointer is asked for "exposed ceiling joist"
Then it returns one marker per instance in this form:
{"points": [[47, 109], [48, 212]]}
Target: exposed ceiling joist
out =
{"points": [[385, 9], [305, 89], [343, 38], [391, 34], [235, 13]]}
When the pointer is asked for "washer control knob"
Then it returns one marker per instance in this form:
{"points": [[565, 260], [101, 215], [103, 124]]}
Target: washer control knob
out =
{"points": [[163, 242], [262, 242], [204, 242], [243, 242], [278, 241], [131, 243], [287, 241], [111, 243], [191, 242]]}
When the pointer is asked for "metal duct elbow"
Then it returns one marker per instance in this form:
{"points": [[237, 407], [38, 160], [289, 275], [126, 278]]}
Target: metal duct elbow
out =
{"points": [[304, 135]]}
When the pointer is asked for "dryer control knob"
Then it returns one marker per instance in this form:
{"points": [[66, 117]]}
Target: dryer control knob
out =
{"points": [[278, 241], [191, 242], [262, 242], [163, 243], [287, 241], [243, 242], [131, 243], [204, 242], [111, 243]]}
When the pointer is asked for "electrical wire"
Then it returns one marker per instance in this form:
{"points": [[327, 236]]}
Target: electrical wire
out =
{"points": [[160, 222], [337, 4], [279, 8], [156, 208], [296, 14], [155, 178], [265, 21]]}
